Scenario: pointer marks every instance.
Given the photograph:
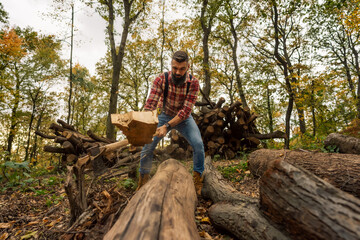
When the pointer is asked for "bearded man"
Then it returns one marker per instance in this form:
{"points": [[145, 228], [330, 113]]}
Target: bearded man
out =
{"points": [[175, 94]]}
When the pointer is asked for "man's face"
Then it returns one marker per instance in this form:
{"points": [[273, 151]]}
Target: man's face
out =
{"points": [[179, 69]]}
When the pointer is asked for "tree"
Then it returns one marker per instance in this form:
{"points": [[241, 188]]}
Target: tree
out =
{"points": [[130, 11], [332, 30], [233, 18], [29, 63], [209, 10], [4, 16], [282, 42]]}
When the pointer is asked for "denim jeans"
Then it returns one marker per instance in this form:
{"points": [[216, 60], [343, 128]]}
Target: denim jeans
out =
{"points": [[189, 130]]}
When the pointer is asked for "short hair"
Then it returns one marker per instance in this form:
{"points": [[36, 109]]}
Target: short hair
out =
{"points": [[180, 56]]}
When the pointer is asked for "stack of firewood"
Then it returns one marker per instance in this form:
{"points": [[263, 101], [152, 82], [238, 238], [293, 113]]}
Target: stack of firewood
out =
{"points": [[97, 157], [226, 129]]}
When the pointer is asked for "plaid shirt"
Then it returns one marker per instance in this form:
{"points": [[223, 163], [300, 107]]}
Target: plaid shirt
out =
{"points": [[177, 103]]}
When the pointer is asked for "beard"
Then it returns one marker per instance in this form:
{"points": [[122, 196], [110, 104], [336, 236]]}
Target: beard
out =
{"points": [[178, 79]]}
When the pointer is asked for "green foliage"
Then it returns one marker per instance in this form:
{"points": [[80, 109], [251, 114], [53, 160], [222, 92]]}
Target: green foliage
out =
{"points": [[128, 183], [330, 149], [235, 172], [54, 200], [14, 172], [306, 141]]}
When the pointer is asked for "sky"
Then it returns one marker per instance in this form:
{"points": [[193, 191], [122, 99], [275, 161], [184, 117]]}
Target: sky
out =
{"points": [[89, 37]]}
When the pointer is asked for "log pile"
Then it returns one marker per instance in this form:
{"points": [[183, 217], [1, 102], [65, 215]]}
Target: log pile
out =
{"points": [[92, 155], [225, 129]]}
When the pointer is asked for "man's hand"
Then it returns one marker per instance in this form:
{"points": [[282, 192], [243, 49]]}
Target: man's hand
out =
{"points": [[161, 131]]}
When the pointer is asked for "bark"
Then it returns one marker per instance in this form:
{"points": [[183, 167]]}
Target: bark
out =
{"points": [[233, 211], [340, 170], [206, 27], [276, 134], [345, 144], [308, 207], [162, 209]]}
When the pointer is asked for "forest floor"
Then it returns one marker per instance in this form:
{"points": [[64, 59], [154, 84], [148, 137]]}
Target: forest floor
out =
{"points": [[39, 209]]}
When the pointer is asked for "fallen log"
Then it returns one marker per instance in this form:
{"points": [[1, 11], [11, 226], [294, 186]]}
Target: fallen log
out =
{"points": [[340, 170], [345, 144], [162, 209], [307, 206], [233, 211]]}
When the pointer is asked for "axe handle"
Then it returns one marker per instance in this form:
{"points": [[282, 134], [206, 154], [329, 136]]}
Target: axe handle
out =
{"points": [[114, 146]]}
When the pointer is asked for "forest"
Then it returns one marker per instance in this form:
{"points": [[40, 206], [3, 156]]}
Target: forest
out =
{"points": [[294, 63]]}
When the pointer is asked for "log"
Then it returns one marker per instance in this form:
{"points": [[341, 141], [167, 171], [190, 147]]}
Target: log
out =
{"points": [[98, 138], [220, 102], [52, 149], [307, 206], [66, 125], [43, 135], [276, 134], [345, 144], [162, 209], [340, 170], [233, 211]]}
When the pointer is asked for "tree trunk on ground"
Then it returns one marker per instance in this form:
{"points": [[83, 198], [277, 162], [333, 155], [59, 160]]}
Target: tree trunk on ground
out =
{"points": [[162, 209], [308, 207], [237, 213], [345, 144], [340, 170]]}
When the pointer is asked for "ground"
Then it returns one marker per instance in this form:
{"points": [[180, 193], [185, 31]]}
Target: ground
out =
{"points": [[38, 209]]}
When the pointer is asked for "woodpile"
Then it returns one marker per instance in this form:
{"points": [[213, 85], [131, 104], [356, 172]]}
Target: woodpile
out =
{"points": [[225, 129], [92, 155], [293, 204]]}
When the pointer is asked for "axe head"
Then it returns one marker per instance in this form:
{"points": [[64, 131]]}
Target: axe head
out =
{"points": [[138, 127]]}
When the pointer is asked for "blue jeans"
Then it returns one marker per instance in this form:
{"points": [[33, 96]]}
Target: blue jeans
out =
{"points": [[189, 130]]}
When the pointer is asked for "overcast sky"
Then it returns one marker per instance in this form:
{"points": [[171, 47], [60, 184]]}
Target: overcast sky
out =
{"points": [[89, 39]]}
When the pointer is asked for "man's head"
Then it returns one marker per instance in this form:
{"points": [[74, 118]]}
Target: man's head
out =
{"points": [[179, 66]]}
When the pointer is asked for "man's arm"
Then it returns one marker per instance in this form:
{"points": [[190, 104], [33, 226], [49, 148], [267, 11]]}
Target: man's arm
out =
{"points": [[155, 93], [162, 131]]}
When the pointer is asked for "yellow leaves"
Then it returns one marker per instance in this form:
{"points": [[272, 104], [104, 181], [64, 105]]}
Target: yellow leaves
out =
{"points": [[11, 46], [29, 235], [5, 225]]}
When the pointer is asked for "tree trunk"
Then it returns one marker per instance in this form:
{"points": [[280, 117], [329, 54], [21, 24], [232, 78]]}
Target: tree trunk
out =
{"points": [[345, 144], [308, 207], [162, 209], [117, 57], [340, 170], [233, 211], [206, 61], [13, 119]]}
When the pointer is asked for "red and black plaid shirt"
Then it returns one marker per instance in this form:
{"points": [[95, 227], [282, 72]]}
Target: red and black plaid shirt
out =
{"points": [[177, 102]]}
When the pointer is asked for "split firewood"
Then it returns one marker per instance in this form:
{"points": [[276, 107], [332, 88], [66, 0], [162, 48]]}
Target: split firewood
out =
{"points": [[307, 206], [340, 170]]}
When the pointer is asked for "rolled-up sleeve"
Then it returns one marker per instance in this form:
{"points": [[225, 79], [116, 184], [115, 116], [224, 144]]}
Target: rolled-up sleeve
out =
{"points": [[155, 94], [190, 100]]}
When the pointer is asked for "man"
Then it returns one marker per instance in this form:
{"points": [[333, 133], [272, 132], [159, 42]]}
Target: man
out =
{"points": [[176, 109]]}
